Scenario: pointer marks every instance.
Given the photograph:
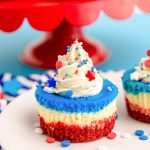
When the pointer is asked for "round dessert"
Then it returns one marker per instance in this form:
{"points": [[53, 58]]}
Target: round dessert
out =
{"points": [[136, 83], [76, 104]]}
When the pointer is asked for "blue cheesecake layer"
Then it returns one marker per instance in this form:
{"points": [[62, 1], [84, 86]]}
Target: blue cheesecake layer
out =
{"points": [[78, 105], [134, 87]]}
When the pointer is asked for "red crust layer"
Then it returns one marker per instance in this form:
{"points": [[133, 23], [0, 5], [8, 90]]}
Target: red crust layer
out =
{"points": [[137, 112], [75, 133]]}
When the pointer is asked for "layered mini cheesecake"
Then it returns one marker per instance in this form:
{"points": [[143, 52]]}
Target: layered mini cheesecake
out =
{"points": [[77, 103], [136, 83]]}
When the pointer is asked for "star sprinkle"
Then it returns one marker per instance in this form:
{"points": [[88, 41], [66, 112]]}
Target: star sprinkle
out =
{"points": [[11, 87], [79, 54], [90, 75], [52, 82], [79, 65], [59, 64]]}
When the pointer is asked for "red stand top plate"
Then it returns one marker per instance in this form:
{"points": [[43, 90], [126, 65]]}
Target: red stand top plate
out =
{"points": [[46, 15]]}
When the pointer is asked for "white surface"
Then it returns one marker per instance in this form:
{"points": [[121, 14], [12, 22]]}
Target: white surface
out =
{"points": [[17, 127]]}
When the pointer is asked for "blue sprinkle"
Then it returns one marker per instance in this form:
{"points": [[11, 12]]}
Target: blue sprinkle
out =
{"points": [[79, 54], [92, 69], [139, 132], [79, 65], [56, 72], [117, 116], [65, 143], [143, 137], [11, 87], [52, 82], [77, 48], [69, 94], [66, 74], [69, 63], [68, 48], [0, 110], [83, 62]]}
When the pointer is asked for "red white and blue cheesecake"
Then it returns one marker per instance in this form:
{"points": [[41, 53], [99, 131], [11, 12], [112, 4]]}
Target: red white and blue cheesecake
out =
{"points": [[136, 83], [77, 103]]}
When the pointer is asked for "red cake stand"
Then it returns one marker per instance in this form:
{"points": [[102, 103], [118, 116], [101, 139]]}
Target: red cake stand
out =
{"points": [[62, 20]]}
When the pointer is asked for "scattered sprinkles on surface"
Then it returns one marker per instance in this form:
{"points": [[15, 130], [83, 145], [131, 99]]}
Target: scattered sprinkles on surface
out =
{"points": [[38, 131], [143, 137], [139, 132], [111, 135], [50, 140], [65, 143]]}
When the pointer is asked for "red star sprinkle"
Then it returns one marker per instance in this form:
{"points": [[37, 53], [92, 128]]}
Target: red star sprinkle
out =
{"points": [[147, 63], [59, 64], [90, 75], [148, 52]]}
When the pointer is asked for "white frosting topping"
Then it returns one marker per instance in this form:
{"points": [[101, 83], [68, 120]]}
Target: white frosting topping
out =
{"points": [[142, 72], [76, 74]]}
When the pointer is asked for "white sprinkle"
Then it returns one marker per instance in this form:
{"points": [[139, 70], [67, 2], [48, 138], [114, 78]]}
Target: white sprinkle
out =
{"points": [[6, 77], [117, 133], [37, 125], [48, 90], [38, 131], [126, 135], [35, 76], [25, 81], [3, 104], [44, 78], [109, 88], [102, 147]]}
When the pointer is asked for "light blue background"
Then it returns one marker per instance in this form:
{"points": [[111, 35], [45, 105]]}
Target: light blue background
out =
{"points": [[126, 40]]}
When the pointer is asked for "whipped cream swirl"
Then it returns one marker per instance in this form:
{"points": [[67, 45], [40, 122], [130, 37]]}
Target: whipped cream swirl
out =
{"points": [[142, 72], [76, 76]]}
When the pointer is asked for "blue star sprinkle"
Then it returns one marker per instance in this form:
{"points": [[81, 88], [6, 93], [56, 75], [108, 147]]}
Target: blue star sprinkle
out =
{"points": [[52, 82], [11, 87], [83, 62], [79, 54], [79, 65], [77, 48]]}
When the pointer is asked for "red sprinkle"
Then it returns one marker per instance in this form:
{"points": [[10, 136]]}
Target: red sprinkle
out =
{"points": [[1, 95], [147, 63], [148, 52], [59, 64], [111, 135], [50, 140], [76, 72], [90, 75]]}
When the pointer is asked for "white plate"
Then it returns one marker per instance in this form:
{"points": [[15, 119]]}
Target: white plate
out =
{"points": [[17, 127]]}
